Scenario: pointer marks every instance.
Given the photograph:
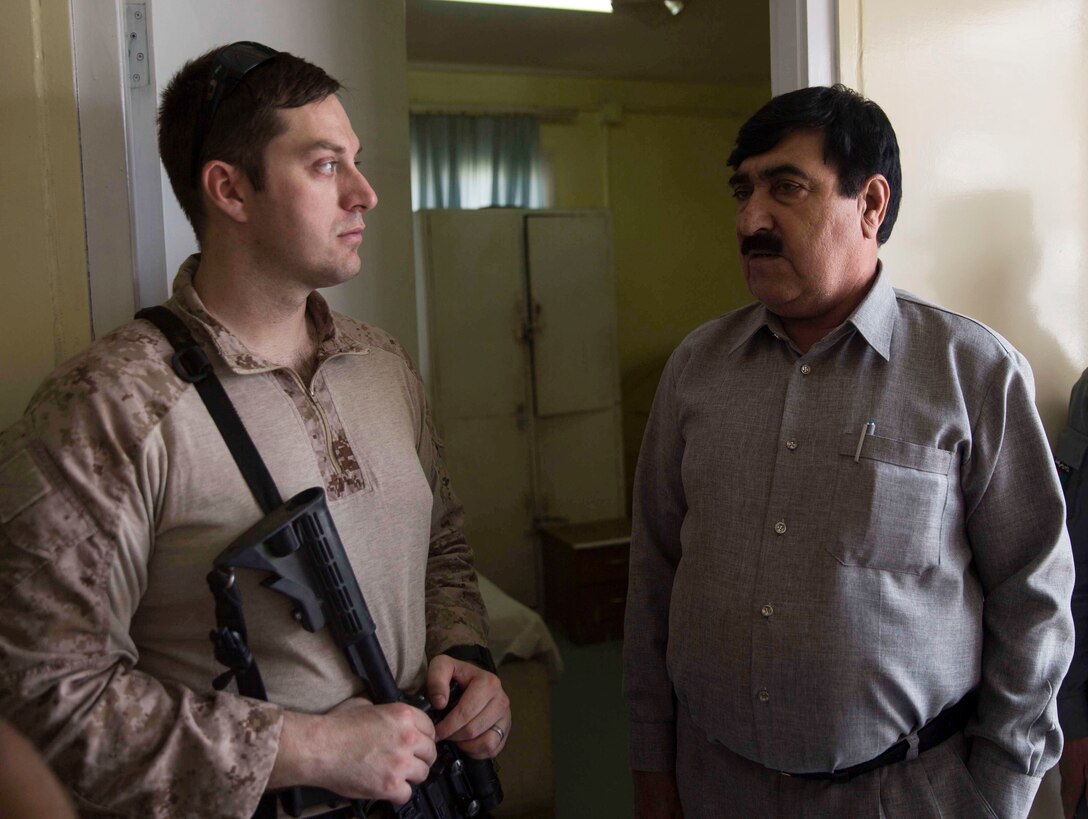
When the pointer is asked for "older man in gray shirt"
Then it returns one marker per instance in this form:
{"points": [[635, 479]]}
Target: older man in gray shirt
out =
{"points": [[850, 576]]}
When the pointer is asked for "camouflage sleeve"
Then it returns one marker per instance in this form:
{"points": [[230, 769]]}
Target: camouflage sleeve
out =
{"points": [[122, 741], [455, 609]]}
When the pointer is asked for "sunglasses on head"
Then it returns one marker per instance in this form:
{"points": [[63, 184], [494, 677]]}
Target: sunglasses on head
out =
{"points": [[231, 66]]}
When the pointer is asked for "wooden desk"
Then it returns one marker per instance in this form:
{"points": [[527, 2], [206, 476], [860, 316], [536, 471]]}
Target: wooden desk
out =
{"points": [[585, 577]]}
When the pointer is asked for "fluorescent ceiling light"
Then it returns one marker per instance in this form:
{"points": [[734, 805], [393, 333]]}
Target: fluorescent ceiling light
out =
{"points": [[570, 5]]}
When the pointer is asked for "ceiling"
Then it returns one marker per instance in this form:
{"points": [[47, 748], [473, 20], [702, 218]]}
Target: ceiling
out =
{"points": [[719, 41]]}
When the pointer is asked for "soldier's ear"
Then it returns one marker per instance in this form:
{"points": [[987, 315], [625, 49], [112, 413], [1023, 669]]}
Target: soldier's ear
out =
{"points": [[226, 189], [873, 204]]}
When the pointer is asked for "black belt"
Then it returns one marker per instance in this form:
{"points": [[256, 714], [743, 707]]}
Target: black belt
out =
{"points": [[944, 726]]}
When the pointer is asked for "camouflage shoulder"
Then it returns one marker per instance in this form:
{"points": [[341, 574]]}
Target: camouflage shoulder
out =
{"points": [[109, 397], [368, 335]]}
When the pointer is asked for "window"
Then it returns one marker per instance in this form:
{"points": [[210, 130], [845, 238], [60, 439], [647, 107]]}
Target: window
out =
{"points": [[461, 161]]}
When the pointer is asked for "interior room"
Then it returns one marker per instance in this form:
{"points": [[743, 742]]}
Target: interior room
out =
{"points": [[637, 111], [541, 384]]}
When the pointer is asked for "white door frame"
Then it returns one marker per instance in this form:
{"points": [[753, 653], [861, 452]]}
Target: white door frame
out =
{"points": [[121, 178], [804, 44]]}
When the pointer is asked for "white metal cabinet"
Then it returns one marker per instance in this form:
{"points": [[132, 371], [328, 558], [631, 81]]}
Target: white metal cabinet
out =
{"points": [[518, 346]]}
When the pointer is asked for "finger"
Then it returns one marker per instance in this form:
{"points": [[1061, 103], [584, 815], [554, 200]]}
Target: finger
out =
{"points": [[479, 749], [480, 694], [479, 716], [426, 753], [411, 721], [399, 794], [496, 712], [486, 746], [421, 752], [456, 723], [422, 723], [439, 673], [418, 771]]}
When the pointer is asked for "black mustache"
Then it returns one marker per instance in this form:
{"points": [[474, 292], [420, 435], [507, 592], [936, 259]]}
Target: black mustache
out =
{"points": [[760, 243]]}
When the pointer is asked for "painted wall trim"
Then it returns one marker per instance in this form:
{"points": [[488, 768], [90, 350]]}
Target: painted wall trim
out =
{"points": [[120, 167], [804, 44], [146, 177], [97, 49], [48, 191], [850, 48]]}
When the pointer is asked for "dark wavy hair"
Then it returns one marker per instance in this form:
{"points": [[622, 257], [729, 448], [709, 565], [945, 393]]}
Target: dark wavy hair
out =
{"points": [[858, 138]]}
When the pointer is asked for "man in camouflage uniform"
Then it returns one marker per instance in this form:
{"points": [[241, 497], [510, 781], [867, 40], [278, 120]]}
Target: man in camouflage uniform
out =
{"points": [[119, 491]]}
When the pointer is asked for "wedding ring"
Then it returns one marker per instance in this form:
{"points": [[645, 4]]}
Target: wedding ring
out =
{"points": [[499, 731]]}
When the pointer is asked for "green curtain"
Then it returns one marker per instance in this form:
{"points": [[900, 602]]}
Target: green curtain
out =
{"points": [[463, 161]]}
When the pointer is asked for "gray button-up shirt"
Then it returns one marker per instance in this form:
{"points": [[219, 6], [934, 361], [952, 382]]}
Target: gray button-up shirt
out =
{"points": [[831, 548]]}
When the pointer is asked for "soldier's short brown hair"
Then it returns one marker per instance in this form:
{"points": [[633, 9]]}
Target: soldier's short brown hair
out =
{"points": [[245, 121]]}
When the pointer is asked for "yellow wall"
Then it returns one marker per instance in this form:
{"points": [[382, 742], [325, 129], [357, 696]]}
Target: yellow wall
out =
{"points": [[44, 310], [654, 154]]}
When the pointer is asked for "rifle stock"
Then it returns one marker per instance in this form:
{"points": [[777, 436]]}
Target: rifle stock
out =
{"points": [[298, 545]]}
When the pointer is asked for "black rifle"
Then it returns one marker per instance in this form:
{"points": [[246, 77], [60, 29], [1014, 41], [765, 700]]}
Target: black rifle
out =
{"points": [[298, 545]]}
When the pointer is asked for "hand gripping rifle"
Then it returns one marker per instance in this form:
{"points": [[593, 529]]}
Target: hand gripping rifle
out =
{"points": [[298, 545]]}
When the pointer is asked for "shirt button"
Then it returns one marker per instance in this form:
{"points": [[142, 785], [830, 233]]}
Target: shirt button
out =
{"points": [[805, 369], [764, 695], [767, 610], [791, 445], [780, 527]]}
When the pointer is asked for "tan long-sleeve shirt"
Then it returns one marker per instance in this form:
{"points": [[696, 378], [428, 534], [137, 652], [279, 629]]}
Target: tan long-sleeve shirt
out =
{"points": [[116, 493]]}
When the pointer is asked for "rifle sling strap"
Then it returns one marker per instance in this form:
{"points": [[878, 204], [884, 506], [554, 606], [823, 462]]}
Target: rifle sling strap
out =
{"points": [[192, 365], [229, 638]]}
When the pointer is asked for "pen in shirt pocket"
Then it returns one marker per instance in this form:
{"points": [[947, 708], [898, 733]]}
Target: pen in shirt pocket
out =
{"points": [[868, 429]]}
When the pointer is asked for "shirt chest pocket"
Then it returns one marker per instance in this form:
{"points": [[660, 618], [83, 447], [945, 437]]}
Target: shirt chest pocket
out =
{"points": [[889, 504]]}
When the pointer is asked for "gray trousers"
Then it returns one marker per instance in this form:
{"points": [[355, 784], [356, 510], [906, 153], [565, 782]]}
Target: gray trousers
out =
{"points": [[716, 783]]}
